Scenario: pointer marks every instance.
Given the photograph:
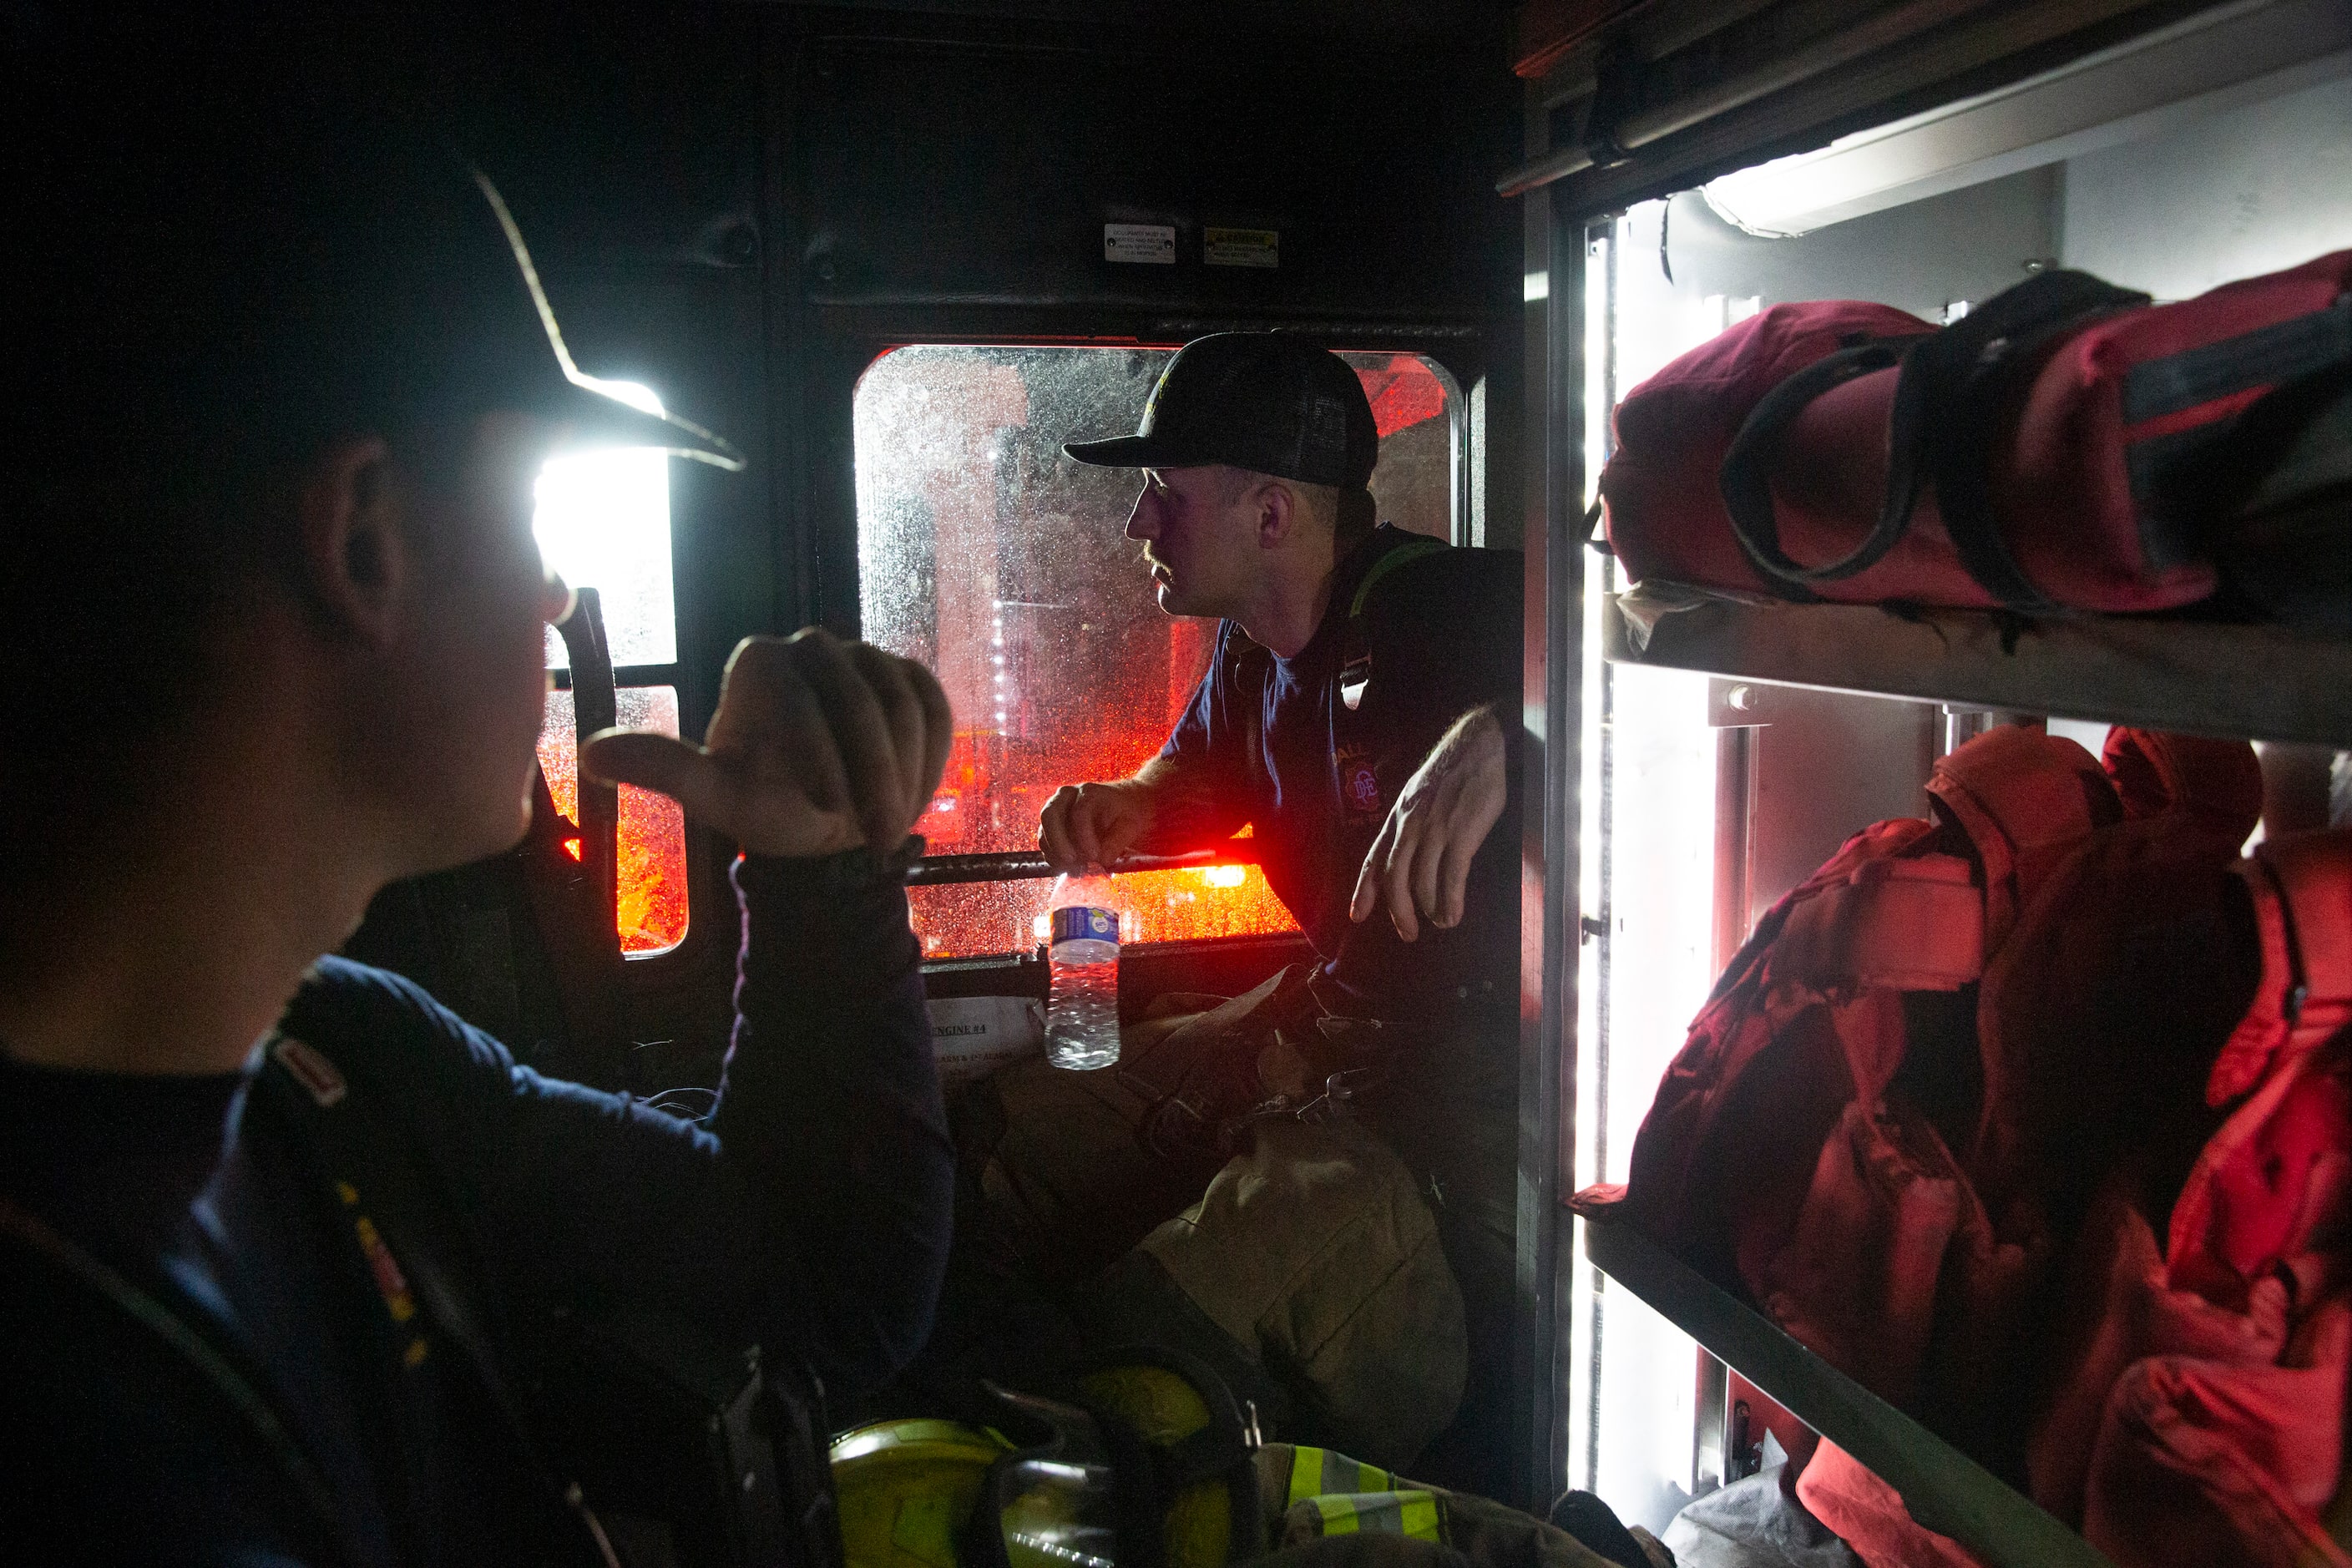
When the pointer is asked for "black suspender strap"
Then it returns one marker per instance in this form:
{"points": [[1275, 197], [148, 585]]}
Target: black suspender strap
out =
{"points": [[391, 1216], [1246, 664], [30, 1232], [1356, 638]]}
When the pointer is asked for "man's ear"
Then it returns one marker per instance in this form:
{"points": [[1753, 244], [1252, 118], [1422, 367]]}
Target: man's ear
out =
{"points": [[1278, 513], [357, 557]]}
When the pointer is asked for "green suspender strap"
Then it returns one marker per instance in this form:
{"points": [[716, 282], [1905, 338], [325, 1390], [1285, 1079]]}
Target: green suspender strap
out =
{"points": [[1412, 550], [1356, 641]]}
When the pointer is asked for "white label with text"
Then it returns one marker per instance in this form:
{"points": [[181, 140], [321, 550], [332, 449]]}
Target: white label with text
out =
{"points": [[973, 1035], [1149, 244]]}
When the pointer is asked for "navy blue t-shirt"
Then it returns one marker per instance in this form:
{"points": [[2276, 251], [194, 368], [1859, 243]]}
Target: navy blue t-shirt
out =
{"points": [[811, 1215], [1268, 741]]}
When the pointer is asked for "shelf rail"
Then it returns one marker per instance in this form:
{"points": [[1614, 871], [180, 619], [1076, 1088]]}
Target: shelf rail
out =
{"points": [[1945, 1491]]}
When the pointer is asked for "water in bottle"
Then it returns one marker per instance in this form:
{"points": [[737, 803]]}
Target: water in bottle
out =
{"points": [[1082, 1011]]}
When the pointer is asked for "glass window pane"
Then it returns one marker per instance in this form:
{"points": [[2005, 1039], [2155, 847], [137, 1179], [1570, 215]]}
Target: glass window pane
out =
{"points": [[987, 555], [651, 873], [1414, 400], [603, 522]]}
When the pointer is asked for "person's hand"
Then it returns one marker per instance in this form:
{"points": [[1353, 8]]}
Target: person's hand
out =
{"points": [[1093, 823], [1420, 862], [818, 745]]}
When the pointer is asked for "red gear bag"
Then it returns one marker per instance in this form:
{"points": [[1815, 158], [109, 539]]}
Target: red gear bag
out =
{"points": [[2062, 446], [1909, 1086]]}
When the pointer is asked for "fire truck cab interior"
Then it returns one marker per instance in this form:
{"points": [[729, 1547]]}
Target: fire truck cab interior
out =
{"points": [[902, 252]]}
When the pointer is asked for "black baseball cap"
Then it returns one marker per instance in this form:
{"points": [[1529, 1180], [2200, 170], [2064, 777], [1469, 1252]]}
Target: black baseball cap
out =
{"points": [[240, 268], [1260, 401]]}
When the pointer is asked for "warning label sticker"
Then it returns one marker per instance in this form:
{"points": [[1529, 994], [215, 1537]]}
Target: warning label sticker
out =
{"points": [[1241, 246], [1151, 244]]}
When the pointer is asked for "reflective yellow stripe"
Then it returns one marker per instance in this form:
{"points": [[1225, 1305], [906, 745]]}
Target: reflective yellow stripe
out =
{"points": [[1306, 1474], [1325, 1472], [1408, 1513], [1339, 1514]]}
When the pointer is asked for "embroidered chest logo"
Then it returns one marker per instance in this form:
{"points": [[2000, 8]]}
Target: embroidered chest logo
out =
{"points": [[1359, 786], [311, 1070]]}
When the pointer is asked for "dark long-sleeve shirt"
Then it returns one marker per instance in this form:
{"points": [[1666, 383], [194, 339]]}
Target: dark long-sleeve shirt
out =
{"points": [[811, 1217], [1270, 741]]}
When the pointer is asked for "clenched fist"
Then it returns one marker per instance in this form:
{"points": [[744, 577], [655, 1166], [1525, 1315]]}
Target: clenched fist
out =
{"points": [[818, 745], [1095, 823]]}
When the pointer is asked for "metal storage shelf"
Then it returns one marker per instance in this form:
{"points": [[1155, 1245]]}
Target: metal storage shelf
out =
{"points": [[2202, 677], [1944, 1489]]}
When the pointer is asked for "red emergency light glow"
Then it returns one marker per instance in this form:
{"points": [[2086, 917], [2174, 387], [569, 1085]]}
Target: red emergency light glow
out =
{"points": [[995, 787], [1404, 393], [651, 865]]}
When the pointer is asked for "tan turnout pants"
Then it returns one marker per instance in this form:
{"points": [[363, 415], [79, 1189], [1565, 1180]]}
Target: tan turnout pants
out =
{"points": [[1313, 1255]]}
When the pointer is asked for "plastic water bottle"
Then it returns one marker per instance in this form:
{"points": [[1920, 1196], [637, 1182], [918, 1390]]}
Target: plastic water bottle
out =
{"points": [[1082, 1010]]}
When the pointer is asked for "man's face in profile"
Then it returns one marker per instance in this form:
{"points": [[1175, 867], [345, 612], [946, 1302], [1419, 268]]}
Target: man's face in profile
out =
{"points": [[470, 683], [1199, 534]]}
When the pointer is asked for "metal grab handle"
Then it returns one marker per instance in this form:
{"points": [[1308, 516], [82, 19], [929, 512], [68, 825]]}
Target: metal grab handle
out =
{"points": [[595, 705], [1020, 864]]}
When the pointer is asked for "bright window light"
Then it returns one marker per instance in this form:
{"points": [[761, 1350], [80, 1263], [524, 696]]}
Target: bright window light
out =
{"points": [[1648, 857], [603, 522], [989, 556]]}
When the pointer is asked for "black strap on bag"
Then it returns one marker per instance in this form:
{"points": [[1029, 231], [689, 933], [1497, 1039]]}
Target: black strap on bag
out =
{"points": [[1747, 476], [766, 1435], [382, 1185], [219, 1365], [1968, 367], [1949, 396]]}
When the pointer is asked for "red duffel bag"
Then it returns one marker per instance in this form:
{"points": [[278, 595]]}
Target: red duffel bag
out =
{"points": [[1860, 1136], [1779, 1156], [2054, 449], [2193, 1401]]}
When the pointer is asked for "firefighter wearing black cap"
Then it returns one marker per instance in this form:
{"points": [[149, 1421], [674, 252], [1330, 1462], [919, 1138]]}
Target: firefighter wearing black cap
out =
{"points": [[285, 1245], [1360, 718]]}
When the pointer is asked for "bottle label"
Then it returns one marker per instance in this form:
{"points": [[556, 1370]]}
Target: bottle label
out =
{"points": [[1076, 922]]}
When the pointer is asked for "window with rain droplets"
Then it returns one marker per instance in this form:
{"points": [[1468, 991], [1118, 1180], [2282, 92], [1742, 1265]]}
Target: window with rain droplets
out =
{"points": [[989, 556]]}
